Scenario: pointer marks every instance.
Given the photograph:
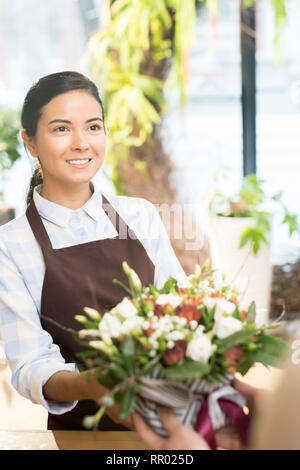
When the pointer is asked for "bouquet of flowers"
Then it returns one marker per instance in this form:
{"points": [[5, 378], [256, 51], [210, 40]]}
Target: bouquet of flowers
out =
{"points": [[177, 347]]}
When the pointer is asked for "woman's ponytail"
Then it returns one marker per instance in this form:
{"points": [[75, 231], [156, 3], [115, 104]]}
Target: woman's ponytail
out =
{"points": [[36, 179]]}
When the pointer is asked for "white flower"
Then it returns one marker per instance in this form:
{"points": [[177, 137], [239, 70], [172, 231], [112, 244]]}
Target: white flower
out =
{"points": [[193, 324], [210, 302], [175, 336], [92, 313], [172, 299], [101, 346], [200, 348], [219, 281], [199, 330], [110, 326], [86, 333], [226, 307], [132, 276], [125, 308], [226, 326], [131, 324]]}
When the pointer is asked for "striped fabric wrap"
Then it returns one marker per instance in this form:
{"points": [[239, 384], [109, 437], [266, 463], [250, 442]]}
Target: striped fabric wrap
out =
{"points": [[185, 398]]}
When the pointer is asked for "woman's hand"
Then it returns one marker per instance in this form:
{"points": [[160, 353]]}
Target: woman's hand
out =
{"points": [[180, 437]]}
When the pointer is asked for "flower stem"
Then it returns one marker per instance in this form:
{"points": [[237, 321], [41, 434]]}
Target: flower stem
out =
{"points": [[98, 417]]}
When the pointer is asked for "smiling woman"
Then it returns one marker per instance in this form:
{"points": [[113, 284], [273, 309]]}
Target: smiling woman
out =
{"points": [[64, 252], [63, 127]]}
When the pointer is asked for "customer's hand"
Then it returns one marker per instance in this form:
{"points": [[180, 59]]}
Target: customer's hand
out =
{"points": [[255, 397], [180, 437]]}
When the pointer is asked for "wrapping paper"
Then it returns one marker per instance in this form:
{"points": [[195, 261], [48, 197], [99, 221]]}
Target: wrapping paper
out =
{"points": [[198, 404]]}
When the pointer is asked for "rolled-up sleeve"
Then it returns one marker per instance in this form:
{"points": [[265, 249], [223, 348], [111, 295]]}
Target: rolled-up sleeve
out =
{"points": [[29, 349]]}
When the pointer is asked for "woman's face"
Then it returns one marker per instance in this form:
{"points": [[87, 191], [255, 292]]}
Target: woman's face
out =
{"points": [[70, 139]]}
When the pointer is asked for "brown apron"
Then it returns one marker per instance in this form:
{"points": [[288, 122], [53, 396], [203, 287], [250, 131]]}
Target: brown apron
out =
{"points": [[81, 276]]}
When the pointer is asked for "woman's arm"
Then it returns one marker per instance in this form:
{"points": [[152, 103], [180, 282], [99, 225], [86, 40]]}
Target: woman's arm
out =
{"points": [[32, 356], [68, 386]]}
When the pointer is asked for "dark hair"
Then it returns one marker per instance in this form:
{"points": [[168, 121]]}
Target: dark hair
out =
{"points": [[41, 93]]}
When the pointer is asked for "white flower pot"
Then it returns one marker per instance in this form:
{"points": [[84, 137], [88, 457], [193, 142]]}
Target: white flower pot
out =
{"points": [[251, 272]]}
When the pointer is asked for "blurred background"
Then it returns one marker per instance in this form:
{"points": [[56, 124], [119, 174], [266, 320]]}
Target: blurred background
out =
{"points": [[198, 89]]}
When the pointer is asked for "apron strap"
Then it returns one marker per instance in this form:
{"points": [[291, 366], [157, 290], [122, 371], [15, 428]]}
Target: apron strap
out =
{"points": [[43, 239], [38, 227], [116, 220]]}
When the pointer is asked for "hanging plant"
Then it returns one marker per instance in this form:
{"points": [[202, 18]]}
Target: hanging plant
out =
{"points": [[135, 32]]}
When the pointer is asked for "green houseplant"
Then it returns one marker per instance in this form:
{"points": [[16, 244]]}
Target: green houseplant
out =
{"points": [[9, 153], [253, 202], [240, 237]]}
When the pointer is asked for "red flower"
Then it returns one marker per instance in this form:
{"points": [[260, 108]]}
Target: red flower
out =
{"points": [[176, 354], [243, 314], [194, 300], [167, 307], [233, 358], [149, 330], [182, 290], [217, 294], [190, 312], [158, 310]]}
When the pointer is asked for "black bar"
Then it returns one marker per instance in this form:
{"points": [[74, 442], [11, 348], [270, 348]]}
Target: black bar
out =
{"points": [[248, 48]]}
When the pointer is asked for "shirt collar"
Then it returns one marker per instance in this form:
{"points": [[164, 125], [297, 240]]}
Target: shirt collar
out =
{"points": [[60, 215]]}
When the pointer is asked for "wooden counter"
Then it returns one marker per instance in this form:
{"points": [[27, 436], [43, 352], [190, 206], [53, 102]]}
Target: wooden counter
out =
{"points": [[70, 440]]}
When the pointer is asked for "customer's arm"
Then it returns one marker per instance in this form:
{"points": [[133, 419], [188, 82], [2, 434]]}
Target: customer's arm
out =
{"points": [[278, 426]]}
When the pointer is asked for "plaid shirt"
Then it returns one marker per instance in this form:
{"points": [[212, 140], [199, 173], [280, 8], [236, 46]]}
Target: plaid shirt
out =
{"points": [[30, 351]]}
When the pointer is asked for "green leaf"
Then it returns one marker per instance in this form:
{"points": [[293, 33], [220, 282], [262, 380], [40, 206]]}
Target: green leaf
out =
{"points": [[129, 363], [254, 235], [127, 403], [271, 352], [171, 285], [187, 369], [208, 317], [147, 370], [154, 291], [245, 364], [87, 354], [229, 342], [292, 221], [116, 281], [251, 315], [117, 359], [107, 379], [128, 347], [118, 371]]}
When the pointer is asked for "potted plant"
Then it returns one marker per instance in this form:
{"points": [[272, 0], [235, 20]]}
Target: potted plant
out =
{"points": [[9, 153], [240, 238]]}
